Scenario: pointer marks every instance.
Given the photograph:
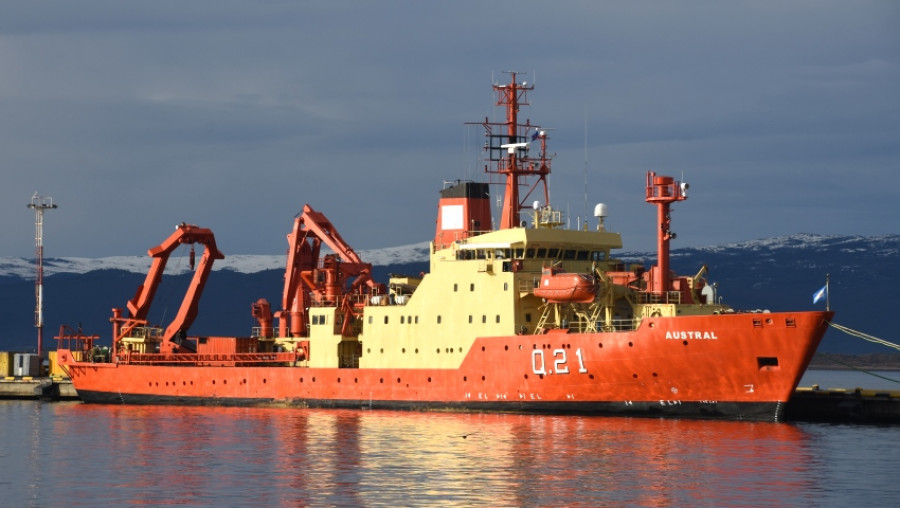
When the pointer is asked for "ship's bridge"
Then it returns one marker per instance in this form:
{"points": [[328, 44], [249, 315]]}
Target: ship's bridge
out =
{"points": [[546, 245]]}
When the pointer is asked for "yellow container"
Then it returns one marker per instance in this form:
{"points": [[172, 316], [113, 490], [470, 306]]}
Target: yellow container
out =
{"points": [[55, 369], [6, 363]]}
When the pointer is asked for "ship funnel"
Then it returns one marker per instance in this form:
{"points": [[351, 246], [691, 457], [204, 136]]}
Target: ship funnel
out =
{"points": [[464, 210]]}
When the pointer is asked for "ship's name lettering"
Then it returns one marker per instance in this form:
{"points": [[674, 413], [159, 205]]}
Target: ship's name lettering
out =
{"points": [[687, 334]]}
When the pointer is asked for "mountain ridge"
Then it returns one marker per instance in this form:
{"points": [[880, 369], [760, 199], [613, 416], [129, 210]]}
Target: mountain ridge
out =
{"points": [[411, 253], [778, 274]]}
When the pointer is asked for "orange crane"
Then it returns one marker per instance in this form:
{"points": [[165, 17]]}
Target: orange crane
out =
{"points": [[138, 307], [309, 282]]}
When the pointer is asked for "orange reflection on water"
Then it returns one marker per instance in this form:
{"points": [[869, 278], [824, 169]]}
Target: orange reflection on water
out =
{"points": [[264, 456]]}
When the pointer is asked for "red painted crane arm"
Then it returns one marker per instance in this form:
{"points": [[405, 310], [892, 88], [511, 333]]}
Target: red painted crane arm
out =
{"points": [[139, 306]]}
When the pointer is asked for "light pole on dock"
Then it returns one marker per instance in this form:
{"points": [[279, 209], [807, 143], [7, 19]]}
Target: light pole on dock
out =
{"points": [[39, 203]]}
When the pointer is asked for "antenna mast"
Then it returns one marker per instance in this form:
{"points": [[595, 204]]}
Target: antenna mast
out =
{"points": [[39, 203], [509, 154]]}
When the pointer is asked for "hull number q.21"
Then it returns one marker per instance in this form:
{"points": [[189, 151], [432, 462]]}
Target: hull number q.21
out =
{"points": [[555, 364]]}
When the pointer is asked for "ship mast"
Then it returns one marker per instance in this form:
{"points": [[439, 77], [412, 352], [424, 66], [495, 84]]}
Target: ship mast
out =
{"points": [[662, 191], [508, 151]]}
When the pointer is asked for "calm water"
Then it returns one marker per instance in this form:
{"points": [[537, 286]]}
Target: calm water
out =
{"points": [[72, 454]]}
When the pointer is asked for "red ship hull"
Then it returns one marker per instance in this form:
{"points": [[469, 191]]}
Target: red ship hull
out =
{"points": [[732, 366]]}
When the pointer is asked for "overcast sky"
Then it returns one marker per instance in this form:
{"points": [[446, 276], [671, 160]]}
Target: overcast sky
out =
{"points": [[134, 116]]}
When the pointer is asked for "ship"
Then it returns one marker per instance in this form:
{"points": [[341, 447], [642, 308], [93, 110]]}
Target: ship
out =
{"points": [[515, 313]]}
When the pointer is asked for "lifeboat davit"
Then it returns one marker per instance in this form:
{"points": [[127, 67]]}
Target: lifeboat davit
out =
{"points": [[557, 286]]}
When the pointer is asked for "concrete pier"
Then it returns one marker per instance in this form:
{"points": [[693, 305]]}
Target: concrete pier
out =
{"points": [[44, 388]]}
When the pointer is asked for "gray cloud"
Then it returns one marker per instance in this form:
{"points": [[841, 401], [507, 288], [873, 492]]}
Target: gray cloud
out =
{"points": [[784, 117]]}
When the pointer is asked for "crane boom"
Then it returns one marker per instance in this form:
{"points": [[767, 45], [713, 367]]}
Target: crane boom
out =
{"points": [[307, 281], [139, 306]]}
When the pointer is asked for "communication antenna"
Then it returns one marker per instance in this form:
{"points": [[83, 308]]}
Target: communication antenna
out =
{"points": [[39, 203], [585, 167]]}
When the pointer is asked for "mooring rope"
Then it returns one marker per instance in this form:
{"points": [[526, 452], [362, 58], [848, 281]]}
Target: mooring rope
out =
{"points": [[866, 337]]}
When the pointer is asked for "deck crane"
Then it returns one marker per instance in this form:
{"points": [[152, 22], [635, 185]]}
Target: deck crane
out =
{"points": [[341, 279], [138, 307]]}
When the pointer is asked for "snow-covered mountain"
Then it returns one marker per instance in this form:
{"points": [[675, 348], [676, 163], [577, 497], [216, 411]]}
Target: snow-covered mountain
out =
{"points": [[240, 263], [886, 246], [774, 273]]}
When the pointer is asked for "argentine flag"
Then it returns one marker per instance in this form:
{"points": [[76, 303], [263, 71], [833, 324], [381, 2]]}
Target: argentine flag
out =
{"points": [[818, 295]]}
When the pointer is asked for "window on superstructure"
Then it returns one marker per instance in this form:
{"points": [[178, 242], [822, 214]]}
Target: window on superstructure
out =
{"points": [[520, 253], [470, 319], [569, 254], [439, 319], [527, 317], [417, 319], [583, 255], [529, 253], [401, 320], [506, 286], [541, 253], [472, 286], [484, 318], [598, 255], [385, 320], [455, 287], [371, 318], [498, 318], [552, 253]]}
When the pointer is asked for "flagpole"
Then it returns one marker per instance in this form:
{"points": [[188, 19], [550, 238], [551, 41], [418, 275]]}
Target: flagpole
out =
{"points": [[827, 292]]}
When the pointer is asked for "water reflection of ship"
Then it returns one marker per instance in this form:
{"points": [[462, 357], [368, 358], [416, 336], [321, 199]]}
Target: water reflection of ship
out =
{"points": [[338, 457]]}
